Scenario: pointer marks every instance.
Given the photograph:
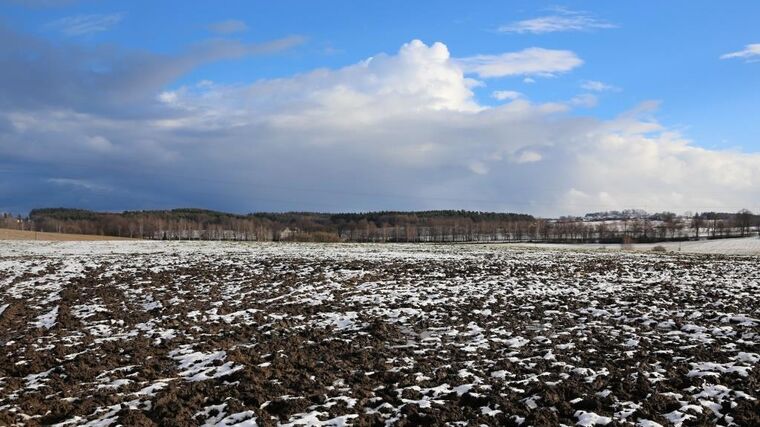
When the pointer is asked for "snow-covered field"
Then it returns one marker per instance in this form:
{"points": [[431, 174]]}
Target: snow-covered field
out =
{"points": [[210, 333], [733, 246]]}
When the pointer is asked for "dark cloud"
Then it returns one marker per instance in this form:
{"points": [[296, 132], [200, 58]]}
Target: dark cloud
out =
{"points": [[105, 79]]}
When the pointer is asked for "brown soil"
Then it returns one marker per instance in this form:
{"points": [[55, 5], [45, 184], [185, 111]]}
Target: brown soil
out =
{"points": [[7, 234], [411, 334]]}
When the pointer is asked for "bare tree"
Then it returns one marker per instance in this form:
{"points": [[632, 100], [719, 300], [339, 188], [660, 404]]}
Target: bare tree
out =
{"points": [[696, 223], [744, 221]]}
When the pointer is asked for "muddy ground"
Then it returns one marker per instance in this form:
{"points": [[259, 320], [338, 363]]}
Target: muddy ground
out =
{"points": [[143, 334]]}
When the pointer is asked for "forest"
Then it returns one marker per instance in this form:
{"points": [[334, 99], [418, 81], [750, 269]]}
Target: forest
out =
{"points": [[390, 226]]}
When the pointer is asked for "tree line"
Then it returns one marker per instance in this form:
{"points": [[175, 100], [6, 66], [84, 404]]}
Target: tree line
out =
{"points": [[440, 226]]}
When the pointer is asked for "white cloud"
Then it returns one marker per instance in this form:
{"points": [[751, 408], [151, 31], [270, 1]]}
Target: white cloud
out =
{"points": [[228, 27], [751, 53], [479, 168], [506, 95], [586, 100], [417, 78], [563, 20], [597, 86], [528, 156], [99, 143], [531, 61], [86, 24], [396, 131]]}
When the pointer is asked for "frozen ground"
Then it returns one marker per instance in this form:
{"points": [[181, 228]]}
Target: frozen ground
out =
{"points": [[222, 334]]}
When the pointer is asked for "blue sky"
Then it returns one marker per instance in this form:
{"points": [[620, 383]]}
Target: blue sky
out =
{"points": [[664, 75]]}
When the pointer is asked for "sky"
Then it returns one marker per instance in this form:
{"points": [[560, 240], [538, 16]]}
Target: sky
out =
{"points": [[547, 108]]}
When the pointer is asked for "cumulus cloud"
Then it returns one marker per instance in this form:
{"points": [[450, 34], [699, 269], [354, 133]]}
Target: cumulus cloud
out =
{"points": [[228, 27], [394, 131], [562, 20], [750, 53], [531, 61], [86, 24]]}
